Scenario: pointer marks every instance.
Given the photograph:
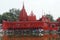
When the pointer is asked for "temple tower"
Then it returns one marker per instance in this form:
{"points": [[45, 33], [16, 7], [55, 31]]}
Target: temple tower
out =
{"points": [[23, 14]]}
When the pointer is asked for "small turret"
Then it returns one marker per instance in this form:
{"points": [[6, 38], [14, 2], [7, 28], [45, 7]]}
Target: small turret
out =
{"points": [[32, 17]]}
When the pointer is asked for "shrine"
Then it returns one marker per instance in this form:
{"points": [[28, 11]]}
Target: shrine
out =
{"points": [[28, 25]]}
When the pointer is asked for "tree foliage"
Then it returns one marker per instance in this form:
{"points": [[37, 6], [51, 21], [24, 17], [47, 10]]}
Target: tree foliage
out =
{"points": [[12, 15], [0, 18], [50, 17]]}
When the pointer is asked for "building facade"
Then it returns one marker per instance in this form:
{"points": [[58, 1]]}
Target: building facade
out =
{"points": [[29, 25]]}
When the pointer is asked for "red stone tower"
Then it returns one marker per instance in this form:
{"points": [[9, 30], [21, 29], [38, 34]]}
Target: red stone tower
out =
{"points": [[23, 14]]}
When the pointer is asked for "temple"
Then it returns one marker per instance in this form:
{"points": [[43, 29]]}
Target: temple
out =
{"points": [[30, 23], [24, 17]]}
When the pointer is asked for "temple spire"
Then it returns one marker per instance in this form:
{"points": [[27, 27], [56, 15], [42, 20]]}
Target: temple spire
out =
{"points": [[23, 14], [23, 5]]}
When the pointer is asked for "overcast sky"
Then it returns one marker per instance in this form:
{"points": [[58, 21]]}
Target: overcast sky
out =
{"points": [[48, 6]]}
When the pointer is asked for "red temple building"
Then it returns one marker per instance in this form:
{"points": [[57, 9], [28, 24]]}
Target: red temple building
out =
{"points": [[28, 23]]}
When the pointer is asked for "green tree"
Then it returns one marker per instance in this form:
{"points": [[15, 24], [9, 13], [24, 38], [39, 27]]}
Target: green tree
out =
{"points": [[50, 17], [0, 18], [15, 13], [12, 15], [7, 16]]}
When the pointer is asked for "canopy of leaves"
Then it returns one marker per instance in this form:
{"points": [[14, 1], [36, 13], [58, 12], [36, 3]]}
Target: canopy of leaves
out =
{"points": [[0, 18], [50, 17], [12, 15]]}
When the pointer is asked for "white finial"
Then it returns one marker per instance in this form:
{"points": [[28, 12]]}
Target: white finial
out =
{"points": [[42, 12], [49, 12]]}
